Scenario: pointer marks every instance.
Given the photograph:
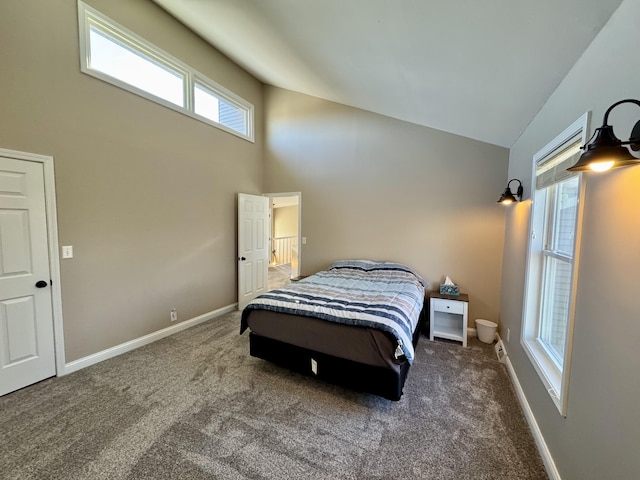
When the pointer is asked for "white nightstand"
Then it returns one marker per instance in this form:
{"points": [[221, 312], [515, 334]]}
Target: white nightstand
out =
{"points": [[448, 317]]}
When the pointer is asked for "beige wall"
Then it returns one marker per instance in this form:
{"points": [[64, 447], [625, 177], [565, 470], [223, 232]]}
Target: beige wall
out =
{"points": [[378, 188], [146, 195], [599, 438], [285, 221]]}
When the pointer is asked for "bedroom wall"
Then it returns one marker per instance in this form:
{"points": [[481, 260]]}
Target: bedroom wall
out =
{"points": [[285, 221], [599, 438], [379, 188], [146, 195]]}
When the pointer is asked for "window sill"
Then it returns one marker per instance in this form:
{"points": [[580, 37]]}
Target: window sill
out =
{"points": [[547, 370]]}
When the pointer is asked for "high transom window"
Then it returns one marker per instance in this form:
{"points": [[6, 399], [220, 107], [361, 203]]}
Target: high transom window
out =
{"points": [[116, 55]]}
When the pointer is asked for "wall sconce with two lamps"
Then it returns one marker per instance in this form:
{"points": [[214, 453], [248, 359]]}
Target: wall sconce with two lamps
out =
{"points": [[605, 152]]}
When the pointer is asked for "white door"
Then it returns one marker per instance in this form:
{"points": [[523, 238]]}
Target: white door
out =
{"points": [[253, 247], [27, 353]]}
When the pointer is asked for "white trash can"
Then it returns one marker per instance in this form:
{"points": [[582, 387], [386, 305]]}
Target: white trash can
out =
{"points": [[486, 330]]}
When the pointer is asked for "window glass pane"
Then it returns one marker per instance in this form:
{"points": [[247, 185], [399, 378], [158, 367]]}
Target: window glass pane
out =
{"points": [[565, 217], [210, 106], [555, 306], [233, 117], [206, 104], [116, 59]]}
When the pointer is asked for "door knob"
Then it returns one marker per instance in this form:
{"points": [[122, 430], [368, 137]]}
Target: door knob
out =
{"points": [[243, 258], [41, 284]]}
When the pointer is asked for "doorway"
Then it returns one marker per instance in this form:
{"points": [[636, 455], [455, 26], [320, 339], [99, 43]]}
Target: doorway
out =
{"points": [[31, 342], [285, 238]]}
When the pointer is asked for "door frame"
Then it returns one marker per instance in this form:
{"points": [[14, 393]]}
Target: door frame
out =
{"points": [[291, 194], [52, 242]]}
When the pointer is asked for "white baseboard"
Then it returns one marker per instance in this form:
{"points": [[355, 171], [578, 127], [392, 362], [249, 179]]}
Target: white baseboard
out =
{"points": [[141, 341], [547, 459]]}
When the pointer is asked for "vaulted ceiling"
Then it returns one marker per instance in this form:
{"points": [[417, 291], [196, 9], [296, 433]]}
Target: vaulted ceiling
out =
{"points": [[477, 68]]}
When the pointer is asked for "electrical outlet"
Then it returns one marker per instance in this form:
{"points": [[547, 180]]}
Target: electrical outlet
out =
{"points": [[499, 348], [508, 334], [174, 315]]}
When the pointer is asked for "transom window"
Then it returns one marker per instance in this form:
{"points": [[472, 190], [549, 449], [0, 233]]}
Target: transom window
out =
{"points": [[552, 261], [118, 56]]}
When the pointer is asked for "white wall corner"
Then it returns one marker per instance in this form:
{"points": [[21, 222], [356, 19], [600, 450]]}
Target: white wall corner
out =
{"points": [[142, 341]]}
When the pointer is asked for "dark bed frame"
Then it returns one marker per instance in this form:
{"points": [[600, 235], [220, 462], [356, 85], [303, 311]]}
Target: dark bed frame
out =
{"points": [[380, 381]]}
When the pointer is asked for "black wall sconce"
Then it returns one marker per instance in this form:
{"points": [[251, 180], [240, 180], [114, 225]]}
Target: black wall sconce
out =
{"points": [[508, 197], [607, 151]]}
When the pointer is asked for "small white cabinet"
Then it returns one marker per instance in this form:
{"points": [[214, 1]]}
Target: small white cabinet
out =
{"points": [[448, 316]]}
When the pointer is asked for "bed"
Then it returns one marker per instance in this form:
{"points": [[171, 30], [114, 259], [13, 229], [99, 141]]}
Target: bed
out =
{"points": [[355, 324]]}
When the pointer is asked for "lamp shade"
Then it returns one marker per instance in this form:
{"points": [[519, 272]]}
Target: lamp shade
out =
{"points": [[507, 197], [605, 152]]}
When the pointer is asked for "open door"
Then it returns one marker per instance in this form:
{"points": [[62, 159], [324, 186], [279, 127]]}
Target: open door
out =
{"points": [[253, 247], [27, 353]]}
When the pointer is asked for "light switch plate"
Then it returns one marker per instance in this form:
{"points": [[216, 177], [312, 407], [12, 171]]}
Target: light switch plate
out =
{"points": [[67, 251]]}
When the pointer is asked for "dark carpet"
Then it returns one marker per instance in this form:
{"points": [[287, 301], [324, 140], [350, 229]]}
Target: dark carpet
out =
{"points": [[197, 406]]}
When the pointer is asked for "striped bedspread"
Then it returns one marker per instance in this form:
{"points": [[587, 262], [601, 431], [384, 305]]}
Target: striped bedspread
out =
{"points": [[383, 295]]}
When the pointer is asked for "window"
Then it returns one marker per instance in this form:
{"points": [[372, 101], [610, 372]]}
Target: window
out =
{"points": [[112, 53], [209, 104], [552, 261], [129, 65], [557, 254]]}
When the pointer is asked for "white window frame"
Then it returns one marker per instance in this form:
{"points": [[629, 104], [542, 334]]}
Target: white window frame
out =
{"points": [[554, 376], [88, 16]]}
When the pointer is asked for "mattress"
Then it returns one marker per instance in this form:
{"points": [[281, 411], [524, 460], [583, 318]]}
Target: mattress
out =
{"points": [[376, 305], [359, 344]]}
